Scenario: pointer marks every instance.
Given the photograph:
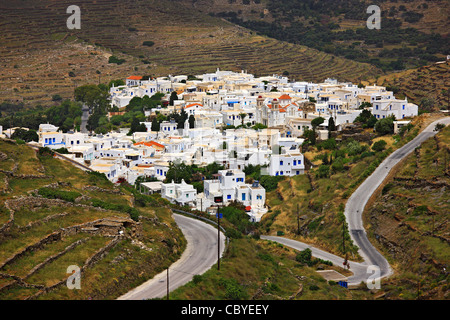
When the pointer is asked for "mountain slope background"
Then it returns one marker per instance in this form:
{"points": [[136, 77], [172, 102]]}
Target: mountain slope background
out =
{"points": [[40, 57]]}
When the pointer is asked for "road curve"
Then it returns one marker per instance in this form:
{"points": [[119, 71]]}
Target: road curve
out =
{"points": [[198, 257], [358, 200], [359, 269], [353, 213]]}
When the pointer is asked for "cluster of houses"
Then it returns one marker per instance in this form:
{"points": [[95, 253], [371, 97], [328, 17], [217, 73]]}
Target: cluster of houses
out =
{"points": [[226, 105]]}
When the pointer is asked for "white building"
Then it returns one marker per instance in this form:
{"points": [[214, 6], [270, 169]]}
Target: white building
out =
{"points": [[52, 140], [399, 108], [290, 164], [179, 193], [230, 186]]}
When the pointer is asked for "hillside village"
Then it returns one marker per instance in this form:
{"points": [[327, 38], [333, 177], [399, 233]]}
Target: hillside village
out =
{"points": [[233, 119]]}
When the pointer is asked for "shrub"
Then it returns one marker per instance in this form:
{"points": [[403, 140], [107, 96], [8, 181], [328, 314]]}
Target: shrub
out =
{"points": [[197, 279], [133, 212], [385, 126], [354, 148], [148, 43], [233, 234], [233, 290], [51, 193], [304, 256], [323, 171], [114, 59], [379, 145], [45, 152]]}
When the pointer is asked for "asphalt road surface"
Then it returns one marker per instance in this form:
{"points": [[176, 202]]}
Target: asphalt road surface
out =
{"points": [[359, 269], [201, 250], [375, 266], [358, 200], [199, 256]]}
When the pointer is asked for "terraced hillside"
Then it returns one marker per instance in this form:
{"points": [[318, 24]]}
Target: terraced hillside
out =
{"points": [[54, 216], [41, 57], [431, 83]]}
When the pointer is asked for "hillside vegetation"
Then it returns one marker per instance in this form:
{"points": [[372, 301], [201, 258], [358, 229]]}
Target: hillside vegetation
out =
{"points": [[412, 33], [408, 222], [53, 216], [310, 207], [255, 269]]}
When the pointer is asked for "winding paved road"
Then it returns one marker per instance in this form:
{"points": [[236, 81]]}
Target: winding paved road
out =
{"points": [[198, 257], [358, 200], [353, 213], [201, 250]]}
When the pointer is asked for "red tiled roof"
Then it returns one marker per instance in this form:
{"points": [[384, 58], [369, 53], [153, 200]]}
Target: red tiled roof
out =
{"points": [[149, 144], [193, 104], [285, 97], [134, 78]]}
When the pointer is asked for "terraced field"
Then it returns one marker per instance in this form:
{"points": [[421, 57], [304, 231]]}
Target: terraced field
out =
{"points": [[54, 216], [431, 82], [37, 51]]}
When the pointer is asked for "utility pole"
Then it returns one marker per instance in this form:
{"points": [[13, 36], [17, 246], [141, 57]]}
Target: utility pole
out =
{"points": [[343, 244], [298, 220], [167, 283], [343, 236], [218, 237]]}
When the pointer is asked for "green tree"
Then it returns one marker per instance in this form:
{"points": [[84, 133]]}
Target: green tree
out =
{"points": [[242, 115], [136, 126], [331, 124], [25, 135], [173, 97], [155, 125], [385, 126], [191, 122], [116, 83], [379, 145], [366, 118]]}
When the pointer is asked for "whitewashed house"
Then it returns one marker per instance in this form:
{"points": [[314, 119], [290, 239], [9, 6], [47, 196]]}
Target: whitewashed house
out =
{"points": [[52, 140], [230, 186], [399, 108], [290, 164], [179, 193]]}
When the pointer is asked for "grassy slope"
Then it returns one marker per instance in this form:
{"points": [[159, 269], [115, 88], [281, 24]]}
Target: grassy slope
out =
{"points": [[116, 273], [410, 221], [320, 200], [261, 270]]}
